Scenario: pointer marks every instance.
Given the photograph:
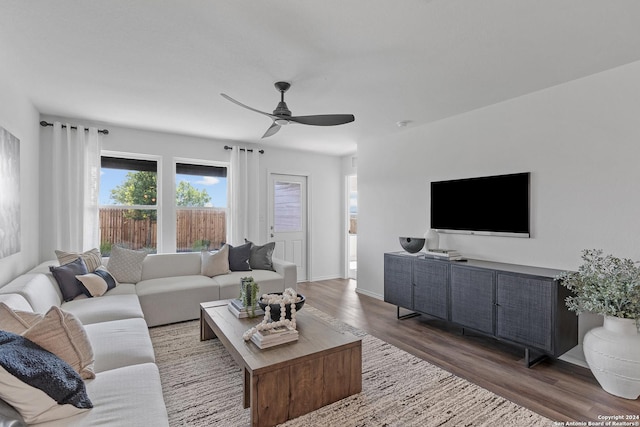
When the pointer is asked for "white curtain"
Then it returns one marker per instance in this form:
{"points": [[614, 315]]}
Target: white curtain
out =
{"points": [[245, 196], [75, 187]]}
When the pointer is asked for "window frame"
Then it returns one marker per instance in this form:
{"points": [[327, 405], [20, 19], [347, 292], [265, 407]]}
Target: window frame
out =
{"points": [[175, 207], [158, 206]]}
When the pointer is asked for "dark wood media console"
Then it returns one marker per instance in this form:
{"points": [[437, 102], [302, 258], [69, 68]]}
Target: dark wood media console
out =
{"points": [[518, 304]]}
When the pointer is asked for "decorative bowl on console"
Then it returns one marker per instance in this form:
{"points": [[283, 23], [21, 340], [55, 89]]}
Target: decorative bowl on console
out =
{"points": [[412, 244], [275, 308]]}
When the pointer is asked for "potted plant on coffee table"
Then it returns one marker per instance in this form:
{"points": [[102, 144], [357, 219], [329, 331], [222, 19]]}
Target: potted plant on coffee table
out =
{"points": [[609, 286]]}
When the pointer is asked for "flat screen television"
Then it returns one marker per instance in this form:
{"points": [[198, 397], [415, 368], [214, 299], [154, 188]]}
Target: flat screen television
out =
{"points": [[489, 205]]}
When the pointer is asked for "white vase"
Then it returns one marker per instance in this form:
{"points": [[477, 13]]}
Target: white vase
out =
{"points": [[613, 354], [432, 239]]}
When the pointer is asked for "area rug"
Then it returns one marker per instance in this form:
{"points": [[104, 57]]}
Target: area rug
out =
{"points": [[202, 386]]}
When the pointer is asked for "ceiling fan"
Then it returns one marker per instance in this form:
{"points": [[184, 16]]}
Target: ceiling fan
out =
{"points": [[282, 115]]}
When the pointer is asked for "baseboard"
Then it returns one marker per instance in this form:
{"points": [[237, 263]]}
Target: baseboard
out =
{"points": [[575, 356], [318, 279], [369, 293]]}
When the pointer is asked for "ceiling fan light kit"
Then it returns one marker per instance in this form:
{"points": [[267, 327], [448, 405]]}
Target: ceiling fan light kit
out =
{"points": [[282, 115]]}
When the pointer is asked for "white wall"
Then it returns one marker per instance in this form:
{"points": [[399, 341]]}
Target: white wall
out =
{"points": [[20, 118], [323, 172], [581, 143]]}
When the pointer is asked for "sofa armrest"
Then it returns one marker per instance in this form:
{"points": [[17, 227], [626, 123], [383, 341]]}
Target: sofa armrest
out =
{"points": [[288, 271]]}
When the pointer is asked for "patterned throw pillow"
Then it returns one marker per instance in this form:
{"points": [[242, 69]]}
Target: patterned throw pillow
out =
{"points": [[215, 263], [126, 265], [92, 258], [66, 274], [97, 283]]}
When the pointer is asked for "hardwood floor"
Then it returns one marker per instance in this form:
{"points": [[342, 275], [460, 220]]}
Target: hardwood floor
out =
{"points": [[558, 390]]}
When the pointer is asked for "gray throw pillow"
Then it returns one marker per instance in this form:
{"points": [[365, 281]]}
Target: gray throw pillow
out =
{"points": [[239, 257], [66, 274], [261, 257]]}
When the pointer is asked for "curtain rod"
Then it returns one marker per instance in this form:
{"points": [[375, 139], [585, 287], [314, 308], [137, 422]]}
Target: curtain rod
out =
{"points": [[45, 124], [250, 150]]}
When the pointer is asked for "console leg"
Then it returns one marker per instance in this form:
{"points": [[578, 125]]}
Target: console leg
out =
{"points": [[529, 362], [405, 316]]}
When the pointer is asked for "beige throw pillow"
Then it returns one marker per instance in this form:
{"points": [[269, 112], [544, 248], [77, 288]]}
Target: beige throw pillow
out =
{"points": [[92, 258], [126, 265], [17, 321], [215, 263], [62, 334]]}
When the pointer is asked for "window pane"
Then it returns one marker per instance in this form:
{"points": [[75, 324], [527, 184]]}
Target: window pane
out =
{"points": [[287, 206], [201, 201], [128, 183], [129, 228], [122, 185]]}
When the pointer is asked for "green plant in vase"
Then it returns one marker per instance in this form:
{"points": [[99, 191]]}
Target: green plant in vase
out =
{"points": [[609, 286], [249, 294]]}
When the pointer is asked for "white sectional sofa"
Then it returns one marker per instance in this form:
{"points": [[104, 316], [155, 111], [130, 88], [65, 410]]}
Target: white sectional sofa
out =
{"points": [[126, 389]]}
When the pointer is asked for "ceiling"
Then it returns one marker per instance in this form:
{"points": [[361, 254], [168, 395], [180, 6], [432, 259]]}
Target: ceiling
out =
{"points": [[161, 65]]}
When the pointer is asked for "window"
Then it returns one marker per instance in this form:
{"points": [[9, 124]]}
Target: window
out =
{"points": [[201, 206], [128, 203]]}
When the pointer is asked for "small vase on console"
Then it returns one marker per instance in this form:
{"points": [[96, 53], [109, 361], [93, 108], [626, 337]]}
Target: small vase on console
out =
{"points": [[432, 239]]}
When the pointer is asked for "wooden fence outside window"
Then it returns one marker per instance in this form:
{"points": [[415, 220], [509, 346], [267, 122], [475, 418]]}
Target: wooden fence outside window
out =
{"points": [[196, 229]]}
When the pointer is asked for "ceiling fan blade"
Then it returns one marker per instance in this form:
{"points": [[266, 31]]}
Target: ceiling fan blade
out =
{"points": [[323, 120], [227, 97], [272, 130]]}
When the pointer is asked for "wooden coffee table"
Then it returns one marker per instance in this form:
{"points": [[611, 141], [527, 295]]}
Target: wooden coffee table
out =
{"points": [[289, 380]]}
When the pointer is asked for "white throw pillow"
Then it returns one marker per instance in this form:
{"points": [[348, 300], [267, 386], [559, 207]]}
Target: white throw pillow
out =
{"points": [[215, 263], [126, 265]]}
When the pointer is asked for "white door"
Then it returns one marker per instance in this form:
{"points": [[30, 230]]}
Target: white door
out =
{"points": [[288, 219], [352, 227]]}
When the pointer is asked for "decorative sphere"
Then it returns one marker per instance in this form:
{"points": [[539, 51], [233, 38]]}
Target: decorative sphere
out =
{"points": [[274, 309]]}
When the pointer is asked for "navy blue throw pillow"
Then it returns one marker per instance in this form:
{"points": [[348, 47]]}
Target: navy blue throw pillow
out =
{"points": [[66, 277], [41, 369]]}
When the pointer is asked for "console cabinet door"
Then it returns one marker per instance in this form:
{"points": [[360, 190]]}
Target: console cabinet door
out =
{"points": [[525, 310], [431, 287], [398, 283], [472, 298]]}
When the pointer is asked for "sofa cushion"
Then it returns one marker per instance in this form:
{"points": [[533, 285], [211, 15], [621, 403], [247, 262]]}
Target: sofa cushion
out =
{"points": [[66, 274], [183, 294], [92, 258], [261, 256], [169, 265], [120, 343], [215, 263], [107, 308], [62, 334], [239, 257], [129, 396], [40, 290], [268, 281], [126, 265], [37, 383], [16, 302], [17, 321], [97, 283]]}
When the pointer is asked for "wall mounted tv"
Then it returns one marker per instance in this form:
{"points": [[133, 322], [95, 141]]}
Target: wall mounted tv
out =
{"points": [[489, 205]]}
